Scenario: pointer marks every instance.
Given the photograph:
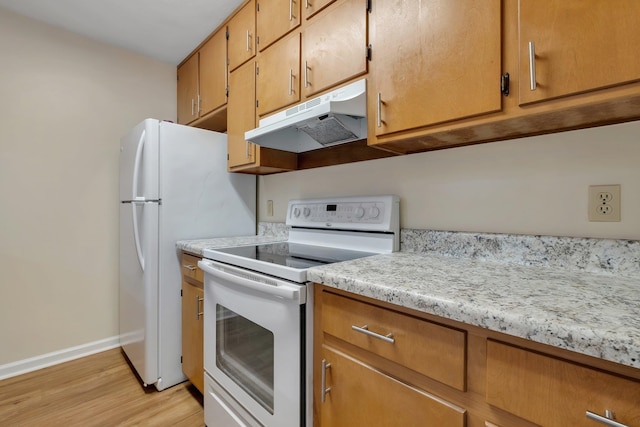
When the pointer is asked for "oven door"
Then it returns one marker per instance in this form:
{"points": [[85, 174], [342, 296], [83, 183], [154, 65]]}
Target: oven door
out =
{"points": [[254, 338]]}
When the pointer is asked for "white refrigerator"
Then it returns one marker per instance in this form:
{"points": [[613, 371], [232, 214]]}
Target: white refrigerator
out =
{"points": [[174, 185]]}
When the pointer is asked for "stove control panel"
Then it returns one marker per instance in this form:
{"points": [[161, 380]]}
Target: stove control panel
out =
{"points": [[375, 213]]}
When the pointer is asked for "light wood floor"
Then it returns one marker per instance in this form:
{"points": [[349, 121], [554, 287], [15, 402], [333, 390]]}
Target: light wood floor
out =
{"points": [[98, 390]]}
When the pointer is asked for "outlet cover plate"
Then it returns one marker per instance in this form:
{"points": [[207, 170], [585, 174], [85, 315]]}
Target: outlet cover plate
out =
{"points": [[604, 203]]}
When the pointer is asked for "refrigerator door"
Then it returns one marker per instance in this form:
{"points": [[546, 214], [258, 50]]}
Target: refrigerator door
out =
{"points": [[200, 199], [139, 219]]}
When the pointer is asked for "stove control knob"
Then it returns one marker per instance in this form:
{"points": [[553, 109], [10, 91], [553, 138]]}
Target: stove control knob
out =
{"points": [[359, 212], [296, 212], [306, 212], [374, 212]]}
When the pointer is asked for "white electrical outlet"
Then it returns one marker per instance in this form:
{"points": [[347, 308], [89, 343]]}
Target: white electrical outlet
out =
{"points": [[604, 203]]}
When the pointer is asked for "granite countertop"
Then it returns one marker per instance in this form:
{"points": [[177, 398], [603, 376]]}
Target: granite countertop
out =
{"points": [[594, 313]]}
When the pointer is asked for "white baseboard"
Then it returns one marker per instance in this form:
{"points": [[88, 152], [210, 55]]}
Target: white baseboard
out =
{"points": [[34, 363]]}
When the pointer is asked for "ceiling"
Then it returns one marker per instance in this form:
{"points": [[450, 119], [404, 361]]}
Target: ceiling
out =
{"points": [[167, 30]]}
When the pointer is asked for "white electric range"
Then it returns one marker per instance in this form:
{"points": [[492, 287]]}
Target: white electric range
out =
{"points": [[259, 308]]}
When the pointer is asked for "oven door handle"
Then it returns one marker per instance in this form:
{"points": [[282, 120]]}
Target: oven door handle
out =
{"points": [[274, 287]]}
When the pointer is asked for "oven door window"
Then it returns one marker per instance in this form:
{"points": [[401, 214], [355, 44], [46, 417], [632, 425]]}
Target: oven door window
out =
{"points": [[244, 352]]}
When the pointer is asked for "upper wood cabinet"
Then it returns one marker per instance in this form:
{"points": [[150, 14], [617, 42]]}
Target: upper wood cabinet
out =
{"points": [[241, 115], [433, 61], [275, 18], [574, 46], [311, 7], [334, 46], [243, 156], [202, 82], [278, 71], [213, 73], [188, 90], [242, 35]]}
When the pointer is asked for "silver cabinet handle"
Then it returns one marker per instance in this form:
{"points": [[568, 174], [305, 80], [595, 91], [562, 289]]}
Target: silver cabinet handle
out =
{"points": [[290, 10], [306, 77], [198, 104], [248, 37], [189, 267], [379, 109], [532, 66], [193, 102], [607, 419], [246, 149], [290, 81], [198, 312], [306, 4], [323, 383], [365, 330]]}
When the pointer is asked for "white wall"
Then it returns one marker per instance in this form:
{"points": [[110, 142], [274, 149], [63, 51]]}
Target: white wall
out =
{"points": [[534, 185], [65, 101]]}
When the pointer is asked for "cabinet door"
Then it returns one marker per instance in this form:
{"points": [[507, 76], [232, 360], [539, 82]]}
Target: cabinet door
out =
{"points": [[312, 7], [188, 90], [241, 115], [275, 18], [556, 393], [242, 36], [363, 396], [278, 81], [433, 61], [579, 46], [193, 334], [334, 46], [213, 73]]}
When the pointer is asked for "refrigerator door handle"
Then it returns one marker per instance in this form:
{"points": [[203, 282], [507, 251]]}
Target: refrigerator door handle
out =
{"points": [[136, 235], [136, 172], [136, 165]]}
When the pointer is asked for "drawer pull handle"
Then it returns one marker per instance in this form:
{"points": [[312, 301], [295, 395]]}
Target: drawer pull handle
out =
{"points": [[532, 66], [198, 312], [189, 267], [324, 389], [365, 330], [608, 419]]}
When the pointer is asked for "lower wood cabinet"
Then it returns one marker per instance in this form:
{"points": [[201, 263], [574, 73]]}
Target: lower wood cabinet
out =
{"points": [[556, 393], [356, 394], [192, 321], [379, 364]]}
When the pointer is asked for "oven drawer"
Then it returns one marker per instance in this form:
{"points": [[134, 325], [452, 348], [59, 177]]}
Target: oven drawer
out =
{"points": [[433, 350], [190, 270]]}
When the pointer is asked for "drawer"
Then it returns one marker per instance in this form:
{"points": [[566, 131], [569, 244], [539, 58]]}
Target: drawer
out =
{"points": [[554, 392], [425, 347], [189, 266]]}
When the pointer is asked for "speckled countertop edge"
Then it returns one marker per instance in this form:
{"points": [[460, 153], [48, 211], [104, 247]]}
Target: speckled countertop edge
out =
{"points": [[597, 314]]}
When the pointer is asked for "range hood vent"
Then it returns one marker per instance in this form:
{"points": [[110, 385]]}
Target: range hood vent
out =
{"points": [[330, 119]]}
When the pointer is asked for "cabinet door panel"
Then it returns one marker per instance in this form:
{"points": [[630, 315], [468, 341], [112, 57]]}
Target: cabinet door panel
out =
{"points": [[278, 81], [312, 7], [580, 45], [242, 36], [213, 73], [275, 18], [193, 334], [363, 396], [556, 393], [241, 115], [434, 61], [188, 90], [334, 46]]}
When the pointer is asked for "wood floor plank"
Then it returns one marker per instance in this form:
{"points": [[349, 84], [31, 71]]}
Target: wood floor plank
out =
{"points": [[98, 390]]}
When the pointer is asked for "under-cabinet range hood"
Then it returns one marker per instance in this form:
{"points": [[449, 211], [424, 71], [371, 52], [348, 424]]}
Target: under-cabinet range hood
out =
{"points": [[330, 119]]}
